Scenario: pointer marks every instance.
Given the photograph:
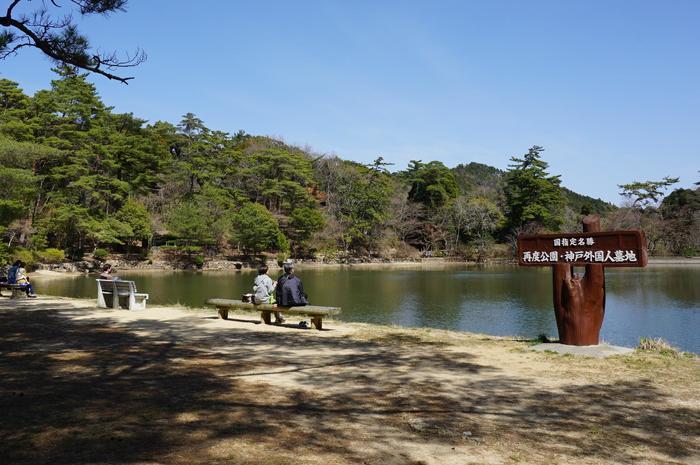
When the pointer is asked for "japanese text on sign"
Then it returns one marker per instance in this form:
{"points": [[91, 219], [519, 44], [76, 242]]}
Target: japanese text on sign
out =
{"points": [[597, 256], [573, 241], [609, 248]]}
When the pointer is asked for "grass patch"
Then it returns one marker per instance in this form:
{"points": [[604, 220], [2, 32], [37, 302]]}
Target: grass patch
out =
{"points": [[541, 339], [659, 345]]}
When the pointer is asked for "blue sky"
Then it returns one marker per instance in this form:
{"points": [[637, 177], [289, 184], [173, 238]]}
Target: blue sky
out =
{"points": [[611, 89]]}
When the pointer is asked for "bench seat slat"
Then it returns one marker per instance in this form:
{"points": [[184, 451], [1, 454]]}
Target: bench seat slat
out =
{"points": [[314, 311], [303, 310]]}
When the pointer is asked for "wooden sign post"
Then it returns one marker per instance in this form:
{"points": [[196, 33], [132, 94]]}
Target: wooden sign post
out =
{"points": [[579, 301]]}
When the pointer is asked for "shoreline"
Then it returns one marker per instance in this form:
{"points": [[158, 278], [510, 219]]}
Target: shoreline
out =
{"points": [[654, 261], [199, 307]]}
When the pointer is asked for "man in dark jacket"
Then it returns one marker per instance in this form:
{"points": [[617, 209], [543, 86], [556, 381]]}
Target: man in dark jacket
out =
{"points": [[289, 291]]}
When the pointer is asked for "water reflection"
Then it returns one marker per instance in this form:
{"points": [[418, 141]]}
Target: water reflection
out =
{"points": [[656, 301]]}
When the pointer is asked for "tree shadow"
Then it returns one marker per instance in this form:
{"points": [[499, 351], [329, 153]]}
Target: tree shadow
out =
{"points": [[78, 391]]}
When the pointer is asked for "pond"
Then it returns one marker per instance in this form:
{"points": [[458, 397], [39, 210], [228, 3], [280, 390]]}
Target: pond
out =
{"points": [[500, 300]]}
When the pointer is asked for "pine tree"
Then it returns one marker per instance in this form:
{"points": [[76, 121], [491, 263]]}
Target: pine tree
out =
{"points": [[532, 195]]}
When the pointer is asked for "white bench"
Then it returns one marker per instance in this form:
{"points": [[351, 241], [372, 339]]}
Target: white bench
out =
{"points": [[109, 290]]}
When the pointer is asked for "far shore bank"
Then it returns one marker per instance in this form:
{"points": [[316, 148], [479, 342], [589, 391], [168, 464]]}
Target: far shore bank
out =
{"points": [[71, 269]]}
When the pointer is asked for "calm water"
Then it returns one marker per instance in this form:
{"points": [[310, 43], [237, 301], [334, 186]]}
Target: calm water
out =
{"points": [[655, 301]]}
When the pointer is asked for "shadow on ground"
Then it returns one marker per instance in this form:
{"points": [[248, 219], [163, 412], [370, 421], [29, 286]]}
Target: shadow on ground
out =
{"points": [[85, 391]]}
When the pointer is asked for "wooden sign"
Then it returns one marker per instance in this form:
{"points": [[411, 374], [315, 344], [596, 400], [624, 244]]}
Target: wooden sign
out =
{"points": [[579, 301], [613, 248]]}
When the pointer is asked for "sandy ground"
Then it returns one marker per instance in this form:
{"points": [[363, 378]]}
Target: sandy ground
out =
{"points": [[80, 385]]}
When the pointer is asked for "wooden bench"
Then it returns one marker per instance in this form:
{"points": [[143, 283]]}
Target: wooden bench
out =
{"points": [[18, 290], [315, 312], [109, 290]]}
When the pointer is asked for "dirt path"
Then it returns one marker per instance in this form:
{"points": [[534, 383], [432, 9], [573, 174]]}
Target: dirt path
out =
{"points": [[81, 386]]}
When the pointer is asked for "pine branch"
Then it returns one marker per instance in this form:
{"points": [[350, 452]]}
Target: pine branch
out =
{"points": [[61, 41]]}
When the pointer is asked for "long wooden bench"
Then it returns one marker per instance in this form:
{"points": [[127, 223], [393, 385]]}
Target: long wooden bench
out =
{"points": [[18, 290], [315, 312], [109, 290]]}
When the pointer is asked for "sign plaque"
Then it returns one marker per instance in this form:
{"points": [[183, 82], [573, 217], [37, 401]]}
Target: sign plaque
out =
{"points": [[614, 248]]}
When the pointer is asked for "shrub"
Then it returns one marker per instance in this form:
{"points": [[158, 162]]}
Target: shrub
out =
{"points": [[23, 254], [657, 345], [501, 251], [100, 254], [400, 251], [689, 252], [182, 249], [51, 256], [4, 254], [328, 253], [281, 257], [198, 261], [541, 338]]}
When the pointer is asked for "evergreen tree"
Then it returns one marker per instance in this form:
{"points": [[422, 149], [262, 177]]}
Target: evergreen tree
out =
{"points": [[432, 184], [532, 195], [135, 215], [189, 222], [358, 199], [13, 111], [303, 223], [256, 229], [646, 192]]}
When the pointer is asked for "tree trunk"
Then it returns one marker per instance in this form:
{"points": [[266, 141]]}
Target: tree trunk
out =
{"points": [[579, 302]]}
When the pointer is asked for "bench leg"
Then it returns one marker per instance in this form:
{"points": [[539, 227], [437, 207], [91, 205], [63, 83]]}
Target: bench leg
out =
{"points": [[18, 293], [223, 313], [266, 317], [317, 322]]}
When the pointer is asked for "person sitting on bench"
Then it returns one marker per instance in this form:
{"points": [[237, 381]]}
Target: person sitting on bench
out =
{"points": [[107, 271], [290, 291], [18, 275], [264, 288]]}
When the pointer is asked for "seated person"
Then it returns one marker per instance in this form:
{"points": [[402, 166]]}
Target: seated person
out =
{"points": [[264, 288], [107, 271], [290, 291], [18, 275]]}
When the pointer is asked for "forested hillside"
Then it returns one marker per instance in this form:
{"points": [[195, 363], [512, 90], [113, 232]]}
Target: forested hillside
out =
{"points": [[79, 178]]}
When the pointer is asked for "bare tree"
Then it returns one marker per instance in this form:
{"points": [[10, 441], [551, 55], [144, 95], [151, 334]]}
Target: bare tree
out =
{"points": [[57, 36]]}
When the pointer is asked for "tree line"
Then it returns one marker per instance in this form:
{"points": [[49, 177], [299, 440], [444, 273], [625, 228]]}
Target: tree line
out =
{"points": [[78, 177]]}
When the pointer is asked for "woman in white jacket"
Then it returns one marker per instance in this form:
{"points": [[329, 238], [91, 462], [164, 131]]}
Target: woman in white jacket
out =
{"points": [[264, 289]]}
